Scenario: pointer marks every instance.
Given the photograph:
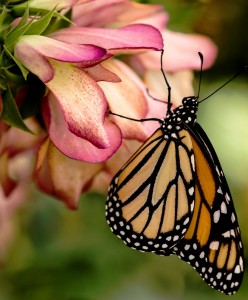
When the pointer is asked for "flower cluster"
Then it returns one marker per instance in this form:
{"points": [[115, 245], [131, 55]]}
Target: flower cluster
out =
{"points": [[64, 64]]}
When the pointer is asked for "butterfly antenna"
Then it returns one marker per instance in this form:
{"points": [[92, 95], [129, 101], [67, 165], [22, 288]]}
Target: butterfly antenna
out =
{"points": [[166, 81], [236, 75], [200, 79]]}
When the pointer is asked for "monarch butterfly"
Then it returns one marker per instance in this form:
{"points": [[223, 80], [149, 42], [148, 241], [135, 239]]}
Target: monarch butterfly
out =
{"points": [[171, 197]]}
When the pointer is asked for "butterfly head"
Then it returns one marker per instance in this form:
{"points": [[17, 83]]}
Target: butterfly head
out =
{"points": [[190, 101]]}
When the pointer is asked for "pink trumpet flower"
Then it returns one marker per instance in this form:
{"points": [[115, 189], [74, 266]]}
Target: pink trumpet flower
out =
{"points": [[82, 77]]}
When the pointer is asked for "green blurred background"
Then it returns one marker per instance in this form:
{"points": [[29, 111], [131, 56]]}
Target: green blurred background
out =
{"points": [[59, 254]]}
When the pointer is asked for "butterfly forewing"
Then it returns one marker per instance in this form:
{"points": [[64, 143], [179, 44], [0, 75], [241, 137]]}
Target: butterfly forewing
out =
{"points": [[151, 198]]}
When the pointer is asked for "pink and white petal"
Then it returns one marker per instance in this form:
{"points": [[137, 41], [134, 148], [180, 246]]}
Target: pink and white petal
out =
{"points": [[106, 12], [42, 175], [16, 140], [70, 177], [158, 20], [15, 170], [111, 12], [181, 86], [136, 36], [67, 177], [100, 182], [7, 184], [99, 73], [126, 98], [137, 11], [33, 50], [21, 166], [74, 146], [181, 53], [181, 83], [82, 102]]}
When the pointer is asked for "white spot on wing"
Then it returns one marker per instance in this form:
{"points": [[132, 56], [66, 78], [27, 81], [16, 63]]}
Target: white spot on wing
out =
{"points": [[226, 234], [227, 198], [229, 276], [223, 208], [176, 237], [192, 158], [186, 221], [241, 262], [237, 269], [214, 245], [217, 170], [186, 247], [220, 190], [216, 216], [191, 191]]}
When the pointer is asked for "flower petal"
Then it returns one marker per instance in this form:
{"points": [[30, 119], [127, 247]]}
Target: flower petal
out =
{"points": [[33, 50], [180, 53], [61, 176], [99, 73], [158, 20], [112, 11], [74, 146], [7, 184], [181, 82], [134, 36], [126, 98], [16, 140], [82, 101]]}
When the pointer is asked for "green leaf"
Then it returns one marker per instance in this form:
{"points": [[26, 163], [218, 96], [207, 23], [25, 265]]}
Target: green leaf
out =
{"points": [[4, 16], [39, 26], [34, 27], [19, 9], [61, 21], [13, 36], [18, 63], [3, 85], [24, 18], [10, 113]]}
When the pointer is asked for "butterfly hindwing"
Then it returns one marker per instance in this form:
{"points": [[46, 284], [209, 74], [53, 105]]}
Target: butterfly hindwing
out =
{"points": [[151, 198], [212, 243]]}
